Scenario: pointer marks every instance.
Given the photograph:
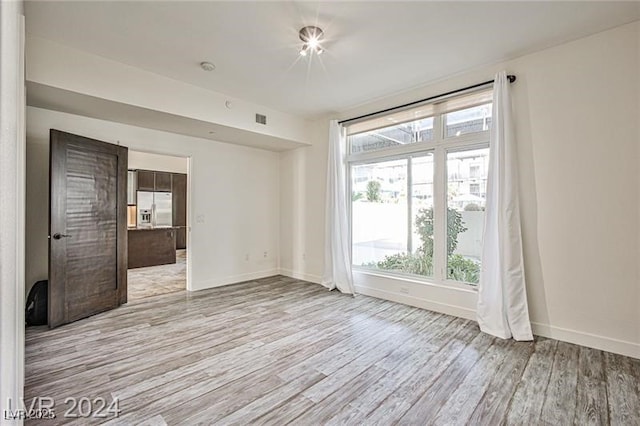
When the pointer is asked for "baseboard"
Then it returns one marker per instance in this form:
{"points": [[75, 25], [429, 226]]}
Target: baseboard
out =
{"points": [[581, 338], [418, 302], [316, 279], [233, 279]]}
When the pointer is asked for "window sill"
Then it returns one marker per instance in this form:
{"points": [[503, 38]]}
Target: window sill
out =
{"points": [[446, 284]]}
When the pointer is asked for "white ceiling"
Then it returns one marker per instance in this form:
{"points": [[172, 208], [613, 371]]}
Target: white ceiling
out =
{"points": [[373, 49]]}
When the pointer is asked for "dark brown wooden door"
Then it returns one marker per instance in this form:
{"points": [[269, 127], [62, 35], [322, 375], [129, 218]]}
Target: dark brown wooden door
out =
{"points": [[87, 227], [179, 205]]}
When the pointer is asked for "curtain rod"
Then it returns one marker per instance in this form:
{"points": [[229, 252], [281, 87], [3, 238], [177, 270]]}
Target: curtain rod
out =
{"points": [[511, 79]]}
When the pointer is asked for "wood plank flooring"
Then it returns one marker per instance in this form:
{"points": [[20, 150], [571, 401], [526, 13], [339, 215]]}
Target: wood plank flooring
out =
{"points": [[279, 351], [156, 280]]}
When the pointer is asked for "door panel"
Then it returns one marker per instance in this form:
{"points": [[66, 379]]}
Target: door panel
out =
{"points": [[88, 244]]}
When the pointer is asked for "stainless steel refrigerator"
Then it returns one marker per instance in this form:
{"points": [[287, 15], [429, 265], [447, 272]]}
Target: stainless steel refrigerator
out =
{"points": [[154, 209]]}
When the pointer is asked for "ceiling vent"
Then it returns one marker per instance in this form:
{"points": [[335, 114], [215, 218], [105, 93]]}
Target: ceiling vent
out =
{"points": [[261, 119]]}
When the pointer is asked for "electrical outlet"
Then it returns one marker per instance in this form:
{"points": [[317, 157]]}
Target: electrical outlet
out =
{"points": [[265, 254], [200, 218], [304, 256], [246, 257]]}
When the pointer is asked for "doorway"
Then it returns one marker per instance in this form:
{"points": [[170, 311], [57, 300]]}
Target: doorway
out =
{"points": [[157, 224]]}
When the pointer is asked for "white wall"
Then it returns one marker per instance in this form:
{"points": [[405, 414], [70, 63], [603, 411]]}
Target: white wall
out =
{"points": [[302, 204], [234, 197], [12, 170], [163, 163], [577, 111]]}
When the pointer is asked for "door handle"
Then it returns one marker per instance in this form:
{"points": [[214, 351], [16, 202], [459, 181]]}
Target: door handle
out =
{"points": [[58, 235]]}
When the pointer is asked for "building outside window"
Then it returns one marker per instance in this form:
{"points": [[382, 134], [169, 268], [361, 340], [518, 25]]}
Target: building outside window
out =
{"points": [[418, 188]]}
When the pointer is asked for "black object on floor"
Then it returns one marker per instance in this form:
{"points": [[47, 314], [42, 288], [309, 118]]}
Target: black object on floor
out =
{"points": [[36, 310]]}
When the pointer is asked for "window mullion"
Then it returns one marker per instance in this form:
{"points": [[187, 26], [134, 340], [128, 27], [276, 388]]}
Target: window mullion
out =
{"points": [[349, 203], [409, 206], [439, 204]]}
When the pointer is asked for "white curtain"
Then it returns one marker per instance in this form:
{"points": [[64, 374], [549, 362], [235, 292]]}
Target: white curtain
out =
{"points": [[502, 298], [337, 256]]}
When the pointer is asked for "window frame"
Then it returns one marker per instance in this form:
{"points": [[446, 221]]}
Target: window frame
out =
{"points": [[439, 146], [469, 106]]}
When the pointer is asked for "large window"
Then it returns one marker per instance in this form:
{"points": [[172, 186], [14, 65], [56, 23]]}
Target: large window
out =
{"points": [[418, 189], [389, 197]]}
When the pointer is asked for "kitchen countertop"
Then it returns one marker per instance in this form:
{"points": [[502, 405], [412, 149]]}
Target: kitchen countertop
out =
{"points": [[151, 228]]}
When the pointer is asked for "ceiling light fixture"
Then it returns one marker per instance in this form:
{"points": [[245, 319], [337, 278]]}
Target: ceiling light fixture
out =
{"points": [[311, 36], [207, 66]]}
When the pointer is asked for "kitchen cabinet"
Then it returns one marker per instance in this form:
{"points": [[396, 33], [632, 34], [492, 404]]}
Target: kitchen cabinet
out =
{"points": [[179, 205], [156, 181], [151, 247], [146, 180], [163, 181], [149, 180]]}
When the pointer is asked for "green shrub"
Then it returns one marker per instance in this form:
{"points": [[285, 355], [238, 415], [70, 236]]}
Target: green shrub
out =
{"points": [[421, 263], [424, 227], [460, 268], [407, 262], [373, 191]]}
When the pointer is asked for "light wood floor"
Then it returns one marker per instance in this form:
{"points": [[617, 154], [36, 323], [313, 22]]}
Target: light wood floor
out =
{"points": [[156, 280], [280, 351]]}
